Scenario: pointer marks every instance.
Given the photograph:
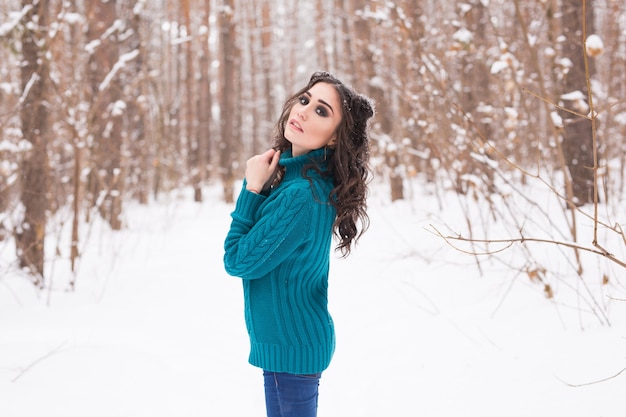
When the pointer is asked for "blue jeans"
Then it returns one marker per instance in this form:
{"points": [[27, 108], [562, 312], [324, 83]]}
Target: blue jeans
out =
{"points": [[289, 395]]}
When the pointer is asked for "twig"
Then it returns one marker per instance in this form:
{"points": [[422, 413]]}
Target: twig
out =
{"points": [[511, 241], [545, 100], [472, 252], [35, 362], [593, 382]]}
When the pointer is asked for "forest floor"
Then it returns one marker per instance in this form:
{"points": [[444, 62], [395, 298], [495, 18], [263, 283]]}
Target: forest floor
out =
{"points": [[155, 327]]}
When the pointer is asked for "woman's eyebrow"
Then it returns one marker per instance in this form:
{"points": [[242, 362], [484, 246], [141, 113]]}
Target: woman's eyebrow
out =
{"points": [[326, 104], [308, 93]]}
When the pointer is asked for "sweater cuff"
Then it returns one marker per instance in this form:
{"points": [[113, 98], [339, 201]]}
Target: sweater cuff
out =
{"points": [[248, 203]]}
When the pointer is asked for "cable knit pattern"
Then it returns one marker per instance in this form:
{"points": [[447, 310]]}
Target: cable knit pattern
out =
{"points": [[279, 244]]}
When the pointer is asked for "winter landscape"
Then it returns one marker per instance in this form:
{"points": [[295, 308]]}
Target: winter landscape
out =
{"points": [[491, 283], [155, 326]]}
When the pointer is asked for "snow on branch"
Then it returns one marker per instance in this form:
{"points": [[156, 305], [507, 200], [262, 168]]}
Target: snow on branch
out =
{"points": [[594, 45], [33, 79], [91, 47], [6, 28], [121, 63]]}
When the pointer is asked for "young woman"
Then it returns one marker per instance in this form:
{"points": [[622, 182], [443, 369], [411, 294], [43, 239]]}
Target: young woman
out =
{"points": [[311, 184]]}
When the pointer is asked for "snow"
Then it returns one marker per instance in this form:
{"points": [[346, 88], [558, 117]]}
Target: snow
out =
{"points": [[34, 78], [155, 326], [594, 45], [7, 88], [595, 41], [139, 7], [549, 52], [620, 118], [91, 47], [574, 95], [498, 66], [118, 108], [557, 120], [120, 64], [73, 18], [7, 27], [579, 101], [463, 36], [465, 8]]}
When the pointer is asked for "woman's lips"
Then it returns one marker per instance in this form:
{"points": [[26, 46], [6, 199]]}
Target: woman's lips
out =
{"points": [[295, 125]]}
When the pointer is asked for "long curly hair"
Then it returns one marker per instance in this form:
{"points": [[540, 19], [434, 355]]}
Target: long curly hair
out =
{"points": [[348, 163]]}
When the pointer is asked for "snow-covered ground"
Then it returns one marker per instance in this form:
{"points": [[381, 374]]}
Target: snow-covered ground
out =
{"points": [[155, 328]]}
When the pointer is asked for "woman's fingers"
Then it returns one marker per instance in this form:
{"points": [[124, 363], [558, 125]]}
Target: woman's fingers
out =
{"points": [[260, 169], [273, 170], [274, 161]]}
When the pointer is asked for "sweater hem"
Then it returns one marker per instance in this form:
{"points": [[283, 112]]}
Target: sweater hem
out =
{"points": [[291, 359]]}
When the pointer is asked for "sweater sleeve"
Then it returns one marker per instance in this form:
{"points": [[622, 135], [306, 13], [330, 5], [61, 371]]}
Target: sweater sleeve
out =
{"points": [[258, 242]]}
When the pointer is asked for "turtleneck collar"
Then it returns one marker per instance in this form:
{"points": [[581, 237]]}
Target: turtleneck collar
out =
{"points": [[295, 165]]}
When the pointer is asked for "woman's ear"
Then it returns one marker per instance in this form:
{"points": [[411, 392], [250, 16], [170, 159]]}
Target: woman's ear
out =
{"points": [[332, 142]]}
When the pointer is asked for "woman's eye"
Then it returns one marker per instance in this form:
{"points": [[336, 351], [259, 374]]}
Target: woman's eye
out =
{"points": [[305, 100]]}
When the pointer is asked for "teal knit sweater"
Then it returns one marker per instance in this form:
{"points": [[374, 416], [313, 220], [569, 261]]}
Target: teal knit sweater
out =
{"points": [[279, 243]]}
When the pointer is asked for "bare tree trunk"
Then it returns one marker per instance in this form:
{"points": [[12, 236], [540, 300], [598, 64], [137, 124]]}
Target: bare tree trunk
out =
{"points": [[577, 136], [106, 128], [474, 92], [365, 75], [34, 113], [345, 55], [250, 98], [167, 148], [228, 114], [205, 102], [140, 146], [266, 64], [77, 149], [323, 34], [475, 72], [613, 131], [414, 104], [189, 112]]}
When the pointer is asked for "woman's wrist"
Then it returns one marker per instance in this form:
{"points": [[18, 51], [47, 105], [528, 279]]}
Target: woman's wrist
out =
{"points": [[253, 189]]}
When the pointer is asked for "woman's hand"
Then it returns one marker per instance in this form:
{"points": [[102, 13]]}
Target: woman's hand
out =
{"points": [[261, 170]]}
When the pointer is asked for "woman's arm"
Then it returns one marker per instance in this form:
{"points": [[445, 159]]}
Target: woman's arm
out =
{"points": [[258, 242]]}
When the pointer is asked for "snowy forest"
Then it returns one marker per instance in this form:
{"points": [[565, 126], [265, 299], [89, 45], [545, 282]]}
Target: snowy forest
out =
{"points": [[104, 103]]}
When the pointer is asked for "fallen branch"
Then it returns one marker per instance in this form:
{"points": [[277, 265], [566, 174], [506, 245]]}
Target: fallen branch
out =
{"points": [[39, 360], [594, 382]]}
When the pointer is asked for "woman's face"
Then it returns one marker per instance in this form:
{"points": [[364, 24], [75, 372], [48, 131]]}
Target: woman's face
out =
{"points": [[313, 120]]}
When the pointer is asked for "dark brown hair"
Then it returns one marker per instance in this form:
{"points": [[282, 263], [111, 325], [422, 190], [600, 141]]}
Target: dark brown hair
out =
{"points": [[347, 163]]}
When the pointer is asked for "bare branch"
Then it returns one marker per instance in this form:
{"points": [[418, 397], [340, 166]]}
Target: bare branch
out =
{"points": [[594, 382], [461, 238], [526, 90], [35, 362], [511, 241]]}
